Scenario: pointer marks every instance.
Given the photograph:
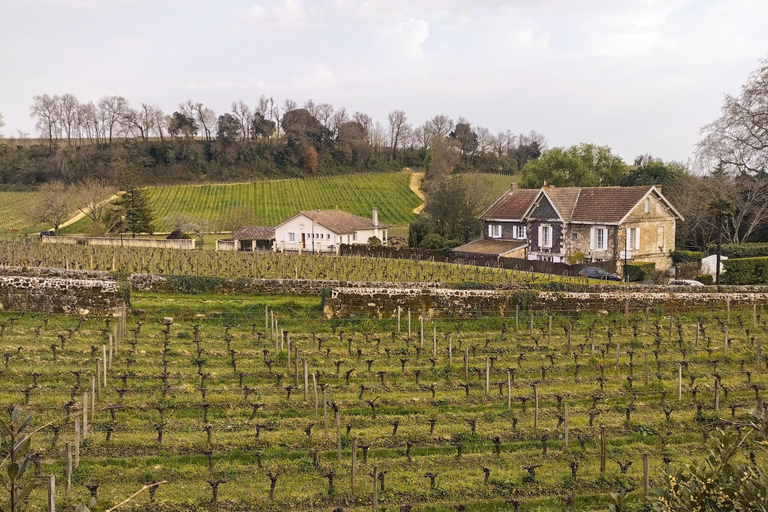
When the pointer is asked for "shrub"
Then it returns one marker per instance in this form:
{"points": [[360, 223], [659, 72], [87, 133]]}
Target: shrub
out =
{"points": [[740, 250], [450, 244], [374, 241], [680, 256], [705, 279], [432, 241], [637, 271], [687, 270], [745, 271]]}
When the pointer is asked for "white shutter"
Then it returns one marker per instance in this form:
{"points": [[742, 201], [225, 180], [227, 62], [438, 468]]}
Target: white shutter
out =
{"points": [[523, 228], [592, 239], [490, 230], [637, 239], [628, 236], [540, 237]]}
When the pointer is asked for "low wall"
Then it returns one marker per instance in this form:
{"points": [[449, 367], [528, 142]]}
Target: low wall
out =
{"points": [[58, 295], [55, 272], [439, 302], [155, 243]]}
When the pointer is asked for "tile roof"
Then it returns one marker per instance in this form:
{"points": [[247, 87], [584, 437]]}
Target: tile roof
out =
{"points": [[512, 205], [564, 199], [491, 246], [254, 233], [341, 222], [607, 204]]}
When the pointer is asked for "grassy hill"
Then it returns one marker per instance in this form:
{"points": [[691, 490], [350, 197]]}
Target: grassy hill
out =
{"points": [[276, 200], [13, 207]]}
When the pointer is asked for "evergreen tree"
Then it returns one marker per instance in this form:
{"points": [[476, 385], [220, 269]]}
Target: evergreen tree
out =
{"points": [[139, 216]]}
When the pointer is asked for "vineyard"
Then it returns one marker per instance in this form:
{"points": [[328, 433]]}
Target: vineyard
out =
{"points": [[258, 265], [256, 403], [13, 211]]}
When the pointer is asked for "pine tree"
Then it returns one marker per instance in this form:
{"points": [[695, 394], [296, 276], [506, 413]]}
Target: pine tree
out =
{"points": [[138, 212]]}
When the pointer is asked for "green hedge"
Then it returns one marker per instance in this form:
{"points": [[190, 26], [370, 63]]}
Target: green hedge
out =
{"points": [[705, 279], [745, 271], [637, 271], [740, 250], [687, 256]]}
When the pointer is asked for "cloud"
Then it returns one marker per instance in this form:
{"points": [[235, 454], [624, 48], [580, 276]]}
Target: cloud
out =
{"points": [[289, 16], [405, 39]]}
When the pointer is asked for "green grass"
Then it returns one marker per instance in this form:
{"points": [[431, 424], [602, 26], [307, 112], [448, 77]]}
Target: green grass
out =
{"points": [[133, 456]]}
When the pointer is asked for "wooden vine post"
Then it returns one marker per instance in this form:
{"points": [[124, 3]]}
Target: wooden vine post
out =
{"points": [[602, 448], [354, 463], [68, 475], [536, 408], [565, 427], [375, 490], [645, 475], [51, 493]]}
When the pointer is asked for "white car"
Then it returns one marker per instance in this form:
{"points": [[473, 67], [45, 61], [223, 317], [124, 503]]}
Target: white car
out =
{"points": [[685, 282]]}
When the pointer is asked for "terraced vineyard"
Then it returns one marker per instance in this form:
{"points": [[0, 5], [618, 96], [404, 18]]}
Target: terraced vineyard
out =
{"points": [[274, 201], [13, 207], [469, 415]]}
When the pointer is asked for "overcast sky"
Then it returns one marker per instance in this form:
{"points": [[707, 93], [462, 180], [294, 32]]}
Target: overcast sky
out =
{"points": [[641, 76]]}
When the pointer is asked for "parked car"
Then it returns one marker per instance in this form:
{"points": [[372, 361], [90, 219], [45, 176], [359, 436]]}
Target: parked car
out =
{"points": [[598, 273], [47, 233], [685, 282]]}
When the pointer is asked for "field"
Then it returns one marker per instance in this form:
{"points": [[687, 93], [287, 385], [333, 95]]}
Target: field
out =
{"points": [[215, 400], [260, 265], [13, 206]]}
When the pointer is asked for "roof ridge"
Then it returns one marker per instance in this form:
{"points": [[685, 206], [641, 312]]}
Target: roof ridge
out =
{"points": [[573, 208]]}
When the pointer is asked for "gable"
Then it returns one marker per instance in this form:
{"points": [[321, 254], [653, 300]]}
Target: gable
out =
{"points": [[511, 206], [543, 209]]}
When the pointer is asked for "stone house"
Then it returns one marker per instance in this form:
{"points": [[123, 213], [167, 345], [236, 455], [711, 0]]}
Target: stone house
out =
{"points": [[326, 230], [581, 225]]}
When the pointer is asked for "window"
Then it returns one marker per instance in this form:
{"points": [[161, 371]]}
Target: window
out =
{"points": [[291, 237], [545, 237], [633, 239], [520, 232], [660, 238], [497, 231], [599, 241], [647, 205], [574, 236], [328, 236], [354, 237]]}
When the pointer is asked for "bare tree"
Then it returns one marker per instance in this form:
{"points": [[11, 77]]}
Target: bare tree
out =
{"points": [[397, 122], [738, 139], [366, 122], [243, 114], [68, 115], [439, 126], [325, 114], [91, 197], [45, 109], [113, 110], [53, 206]]}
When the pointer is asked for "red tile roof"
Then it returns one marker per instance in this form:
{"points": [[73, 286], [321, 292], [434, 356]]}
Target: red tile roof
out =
{"points": [[255, 233], [341, 222], [564, 199], [512, 205], [607, 204]]}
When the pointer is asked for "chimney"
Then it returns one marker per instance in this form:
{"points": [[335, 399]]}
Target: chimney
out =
{"points": [[513, 186], [375, 215]]}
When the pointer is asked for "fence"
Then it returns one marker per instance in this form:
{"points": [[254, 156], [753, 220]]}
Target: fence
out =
{"points": [[467, 258], [155, 243]]}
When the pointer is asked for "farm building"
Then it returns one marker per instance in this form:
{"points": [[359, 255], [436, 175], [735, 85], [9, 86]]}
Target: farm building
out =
{"points": [[578, 225], [250, 238], [326, 230]]}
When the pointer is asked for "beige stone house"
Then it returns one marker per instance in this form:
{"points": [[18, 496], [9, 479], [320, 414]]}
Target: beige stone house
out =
{"points": [[580, 225]]}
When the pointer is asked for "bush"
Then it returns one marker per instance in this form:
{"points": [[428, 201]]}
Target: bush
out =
{"points": [[637, 271], [450, 244], [705, 279], [740, 250], [374, 241], [687, 270], [745, 271], [432, 241], [680, 256]]}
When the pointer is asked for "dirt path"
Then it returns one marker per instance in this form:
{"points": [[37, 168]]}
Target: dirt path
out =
{"points": [[415, 185], [81, 214]]}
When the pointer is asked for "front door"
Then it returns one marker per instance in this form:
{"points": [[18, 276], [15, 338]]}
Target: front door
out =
{"points": [[303, 240]]}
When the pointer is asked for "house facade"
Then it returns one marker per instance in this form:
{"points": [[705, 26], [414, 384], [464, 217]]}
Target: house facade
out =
{"points": [[325, 230], [583, 225]]}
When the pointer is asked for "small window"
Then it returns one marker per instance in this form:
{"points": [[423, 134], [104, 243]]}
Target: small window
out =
{"points": [[291, 237], [328, 236], [631, 238], [354, 237], [574, 236], [647, 205], [497, 231], [546, 236], [520, 232]]}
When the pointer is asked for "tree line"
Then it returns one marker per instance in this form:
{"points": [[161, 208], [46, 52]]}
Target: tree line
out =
{"points": [[87, 139]]}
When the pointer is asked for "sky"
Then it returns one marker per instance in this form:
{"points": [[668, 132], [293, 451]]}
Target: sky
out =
{"points": [[639, 76]]}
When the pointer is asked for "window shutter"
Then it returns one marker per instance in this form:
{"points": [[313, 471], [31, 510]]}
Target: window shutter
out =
{"points": [[592, 238], [523, 231], [540, 237], [637, 239], [490, 230], [628, 236]]}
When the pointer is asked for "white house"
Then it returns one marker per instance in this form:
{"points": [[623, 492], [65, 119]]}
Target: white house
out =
{"points": [[325, 230]]}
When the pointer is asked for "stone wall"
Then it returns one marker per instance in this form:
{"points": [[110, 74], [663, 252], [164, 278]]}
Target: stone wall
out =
{"points": [[58, 295], [55, 272], [435, 302]]}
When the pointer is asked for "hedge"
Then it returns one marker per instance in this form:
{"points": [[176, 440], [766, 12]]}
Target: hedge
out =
{"points": [[637, 271], [680, 256], [745, 271], [705, 279], [740, 250]]}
